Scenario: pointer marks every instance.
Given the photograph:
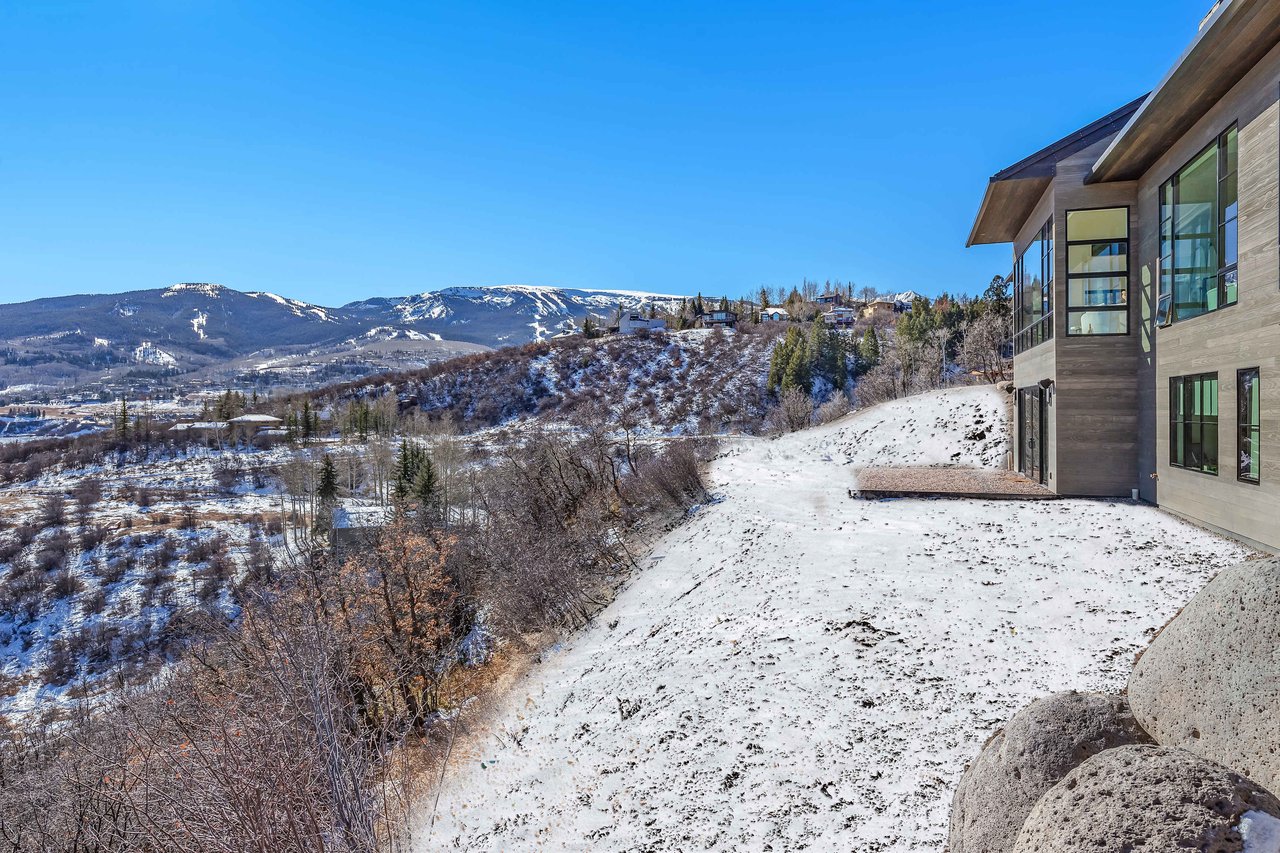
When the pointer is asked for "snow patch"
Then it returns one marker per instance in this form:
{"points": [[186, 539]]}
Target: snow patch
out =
{"points": [[148, 353], [202, 288], [198, 322], [1261, 832], [296, 307]]}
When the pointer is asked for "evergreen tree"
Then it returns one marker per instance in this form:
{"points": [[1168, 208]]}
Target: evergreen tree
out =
{"points": [[869, 349], [589, 327], [327, 487], [122, 420], [764, 300], [797, 374], [424, 484]]}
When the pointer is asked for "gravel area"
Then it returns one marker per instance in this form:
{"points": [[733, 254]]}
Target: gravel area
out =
{"points": [[948, 482]]}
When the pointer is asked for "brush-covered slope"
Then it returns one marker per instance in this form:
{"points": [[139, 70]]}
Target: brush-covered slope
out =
{"points": [[682, 382]]}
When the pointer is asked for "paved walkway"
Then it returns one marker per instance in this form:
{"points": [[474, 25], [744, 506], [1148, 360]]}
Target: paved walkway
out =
{"points": [[948, 483]]}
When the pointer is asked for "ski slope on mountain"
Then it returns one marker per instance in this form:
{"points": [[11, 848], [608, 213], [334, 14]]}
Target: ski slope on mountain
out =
{"points": [[796, 668]]}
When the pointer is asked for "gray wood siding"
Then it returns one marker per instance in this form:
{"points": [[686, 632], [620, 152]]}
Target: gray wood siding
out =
{"points": [[1096, 391], [1242, 336]]}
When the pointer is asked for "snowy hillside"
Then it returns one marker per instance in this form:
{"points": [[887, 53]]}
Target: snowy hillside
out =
{"points": [[209, 330], [506, 314], [801, 669], [694, 381]]}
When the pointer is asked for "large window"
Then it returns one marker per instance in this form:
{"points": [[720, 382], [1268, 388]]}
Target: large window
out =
{"points": [[1199, 233], [1193, 422], [1098, 271], [1248, 426], [1033, 291]]}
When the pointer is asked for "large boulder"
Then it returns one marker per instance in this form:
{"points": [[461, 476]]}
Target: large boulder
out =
{"points": [[1210, 681], [1152, 798], [1042, 742]]}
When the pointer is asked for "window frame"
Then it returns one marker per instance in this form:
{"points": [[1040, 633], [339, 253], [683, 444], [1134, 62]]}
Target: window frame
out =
{"points": [[1032, 334], [1184, 425], [1126, 275], [1255, 428], [1167, 239]]}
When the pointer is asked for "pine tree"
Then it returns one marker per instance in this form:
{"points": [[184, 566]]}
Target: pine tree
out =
{"points": [[424, 484], [589, 327], [796, 374], [869, 349], [764, 300], [122, 420], [327, 487]]}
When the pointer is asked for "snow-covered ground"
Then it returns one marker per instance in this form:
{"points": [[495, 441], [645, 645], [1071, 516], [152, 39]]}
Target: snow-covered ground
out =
{"points": [[797, 668]]}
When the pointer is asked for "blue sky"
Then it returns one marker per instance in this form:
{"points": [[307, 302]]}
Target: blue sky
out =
{"points": [[335, 151]]}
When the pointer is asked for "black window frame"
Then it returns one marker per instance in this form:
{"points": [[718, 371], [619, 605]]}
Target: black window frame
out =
{"points": [[1255, 429], [1166, 309], [1029, 335], [1128, 266], [1178, 390]]}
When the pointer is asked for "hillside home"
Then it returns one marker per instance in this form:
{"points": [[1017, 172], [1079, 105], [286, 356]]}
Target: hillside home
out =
{"points": [[777, 315], [882, 310], [246, 428], [840, 317], [1146, 284], [713, 319], [630, 322]]}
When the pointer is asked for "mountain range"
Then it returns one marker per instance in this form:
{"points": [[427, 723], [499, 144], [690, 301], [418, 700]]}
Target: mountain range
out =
{"points": [[205, 330]]}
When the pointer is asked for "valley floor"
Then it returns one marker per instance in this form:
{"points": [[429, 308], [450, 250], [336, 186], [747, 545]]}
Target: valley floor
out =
{"points": [[796, 668]]}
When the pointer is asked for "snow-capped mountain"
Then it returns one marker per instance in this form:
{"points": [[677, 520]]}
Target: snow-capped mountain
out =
{"points": [[198, 326], [506, 314]]}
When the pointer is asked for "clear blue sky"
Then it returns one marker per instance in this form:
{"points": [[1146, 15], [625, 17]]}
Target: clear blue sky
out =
{"points": [[331, 152]]}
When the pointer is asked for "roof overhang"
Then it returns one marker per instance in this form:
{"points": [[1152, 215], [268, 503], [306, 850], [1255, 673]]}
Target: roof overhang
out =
{"points": [[1231, 41], [1012, 193]]}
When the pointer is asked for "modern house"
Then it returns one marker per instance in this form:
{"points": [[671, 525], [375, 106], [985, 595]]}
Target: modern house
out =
{"points": [[840, 317], [631, 322], [712, 319], [775, 315], [247, 428], [881, 310], [1146, 282]]}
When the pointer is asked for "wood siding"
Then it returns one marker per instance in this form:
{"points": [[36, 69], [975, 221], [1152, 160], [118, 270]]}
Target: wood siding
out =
{"points": [[1241, 336], [1093, 443]]}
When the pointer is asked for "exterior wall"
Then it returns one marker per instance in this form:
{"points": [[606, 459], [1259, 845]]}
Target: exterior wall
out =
{"points": [[1092, 442], [1097, 389], [1040, 362], [1028, 369], [1240, 336]]}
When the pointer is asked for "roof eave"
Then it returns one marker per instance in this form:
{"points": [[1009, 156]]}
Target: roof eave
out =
{"points": [[1250, 27]]}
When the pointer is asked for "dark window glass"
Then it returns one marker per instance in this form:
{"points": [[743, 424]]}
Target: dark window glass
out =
{"points": [[1193, 422], [1199, 233], [1033, 291], [1249, 425]]}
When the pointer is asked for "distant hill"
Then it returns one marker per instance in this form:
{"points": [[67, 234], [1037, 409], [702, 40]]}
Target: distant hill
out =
{"points": [[201, 330]]}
